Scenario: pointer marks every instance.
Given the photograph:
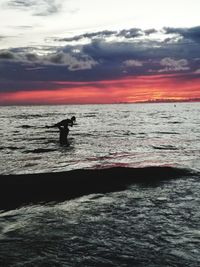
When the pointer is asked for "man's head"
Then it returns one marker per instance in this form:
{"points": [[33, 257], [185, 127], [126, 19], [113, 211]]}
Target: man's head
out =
{"points": [[73, 118]]}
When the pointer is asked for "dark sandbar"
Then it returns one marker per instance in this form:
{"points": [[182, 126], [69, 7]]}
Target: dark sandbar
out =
{"points": [[17, 190]]}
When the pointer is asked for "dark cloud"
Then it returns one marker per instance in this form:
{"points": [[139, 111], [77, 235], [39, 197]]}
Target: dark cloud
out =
{"points": [[100, 34], [13, 86], [21, 3], [128, 34], [73, 61], [187, 33], [18, 57], [38, 7], [150, 31], [115, 51], [102, 59], [131, 33], [32, 57], [6, 55], [141, 50]]}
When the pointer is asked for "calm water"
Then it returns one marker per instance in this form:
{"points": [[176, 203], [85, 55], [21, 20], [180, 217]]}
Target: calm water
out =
{"points": [[144, 225]]}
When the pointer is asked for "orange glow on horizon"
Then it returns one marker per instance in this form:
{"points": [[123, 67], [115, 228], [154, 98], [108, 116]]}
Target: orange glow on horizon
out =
{"points": [[136, 89]]}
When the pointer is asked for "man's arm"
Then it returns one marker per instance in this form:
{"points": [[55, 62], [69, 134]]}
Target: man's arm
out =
{"points": [[61, 123]]}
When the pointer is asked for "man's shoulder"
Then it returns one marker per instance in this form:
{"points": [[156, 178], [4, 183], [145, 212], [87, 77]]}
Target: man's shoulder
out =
{"points": [[65, 121]]}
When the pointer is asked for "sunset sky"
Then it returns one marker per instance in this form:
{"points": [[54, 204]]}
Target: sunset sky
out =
{"points": [[89, 51]]}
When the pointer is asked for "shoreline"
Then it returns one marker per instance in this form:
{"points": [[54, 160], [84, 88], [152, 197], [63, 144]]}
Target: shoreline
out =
{"points": [[17, 190]]}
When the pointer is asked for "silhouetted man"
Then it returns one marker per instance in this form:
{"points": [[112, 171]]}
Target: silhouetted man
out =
{"points": [[66, 122], [63, 128]]}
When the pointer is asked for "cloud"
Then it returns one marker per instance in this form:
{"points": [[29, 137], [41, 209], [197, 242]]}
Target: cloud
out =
{"points": [[21, 3], [120, 51], [100, 34], [142, 50], [18, 57], [132, 63], [38, 7], [10, 86], [173, 65], [186, 33], [100, 59], [150, 31], [6, 55], [125, 33], [73, 62], [131, 33], [23, 27]]}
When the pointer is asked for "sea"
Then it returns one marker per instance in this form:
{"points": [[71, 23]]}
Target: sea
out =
{"points": [[143, 225]]}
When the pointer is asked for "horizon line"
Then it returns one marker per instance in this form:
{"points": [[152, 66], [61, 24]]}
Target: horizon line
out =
{"points": [[156, 101]]}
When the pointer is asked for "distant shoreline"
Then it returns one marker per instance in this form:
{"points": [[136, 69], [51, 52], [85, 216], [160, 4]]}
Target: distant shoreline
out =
{"points": [[117, 103]]}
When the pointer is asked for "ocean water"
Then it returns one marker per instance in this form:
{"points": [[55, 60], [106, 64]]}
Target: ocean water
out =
{"points": [[152, 225], [134, 135]]}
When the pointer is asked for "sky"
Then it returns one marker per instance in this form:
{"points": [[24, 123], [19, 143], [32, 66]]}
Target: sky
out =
{"points": [[90, 51]]}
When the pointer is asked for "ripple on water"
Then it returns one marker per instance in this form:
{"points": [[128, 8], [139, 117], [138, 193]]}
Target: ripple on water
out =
{"points": [[140, 226]]}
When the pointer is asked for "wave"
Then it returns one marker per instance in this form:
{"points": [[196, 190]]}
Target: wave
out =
{"points": [[40, 150], [16, 190], [26, 126], [90, 115], [10, 147], [33, 116], [166, 133], [175, 122], [165, 147]]}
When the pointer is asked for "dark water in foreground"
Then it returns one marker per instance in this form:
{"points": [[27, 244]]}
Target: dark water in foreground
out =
{"points": [[154, 224]]}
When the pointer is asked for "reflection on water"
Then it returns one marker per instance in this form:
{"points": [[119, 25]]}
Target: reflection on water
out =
{"points": [[154, 226], [150, 225], [126, 134]]}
